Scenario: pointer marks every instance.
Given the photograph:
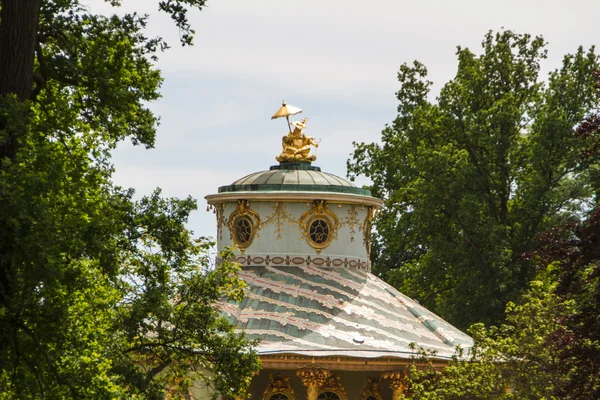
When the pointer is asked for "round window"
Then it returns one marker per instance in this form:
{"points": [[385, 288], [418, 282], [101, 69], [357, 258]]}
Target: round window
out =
{"points": [[328, 396], [243, 231], [318, 231]]}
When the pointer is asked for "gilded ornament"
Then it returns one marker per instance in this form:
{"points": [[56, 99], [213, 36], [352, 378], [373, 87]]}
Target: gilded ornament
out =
{"points": [[313, 378], [352, 221], [396, 383], [366, 228], [221, 221], [243, 225], [319, 226], [296, 145], [372, 391], [279, 385], [279, 217], [334, 384]]}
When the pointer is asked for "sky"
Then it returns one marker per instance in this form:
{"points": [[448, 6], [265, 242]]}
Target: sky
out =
{"points": [[337, 60]]}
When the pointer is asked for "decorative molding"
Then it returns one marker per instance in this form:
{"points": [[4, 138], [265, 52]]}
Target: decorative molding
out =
{"points": [[319, 212], [372, 390], [279, 217], [366, 228], [352, 221], [396, 383], [294, 260], [334, 384], [293, 361], [341, 198], [243, 212], [221, 220], [279, 384], [313, 378]]}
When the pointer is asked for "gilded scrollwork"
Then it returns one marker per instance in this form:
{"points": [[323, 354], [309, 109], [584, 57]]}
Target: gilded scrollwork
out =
{"points": [[279, 217], [352, 221], [279, 387], [334, 384], [372, 391], [396, 383], [366, 228], [319, 226], [314, 379], [221, 220], [244, 224]]}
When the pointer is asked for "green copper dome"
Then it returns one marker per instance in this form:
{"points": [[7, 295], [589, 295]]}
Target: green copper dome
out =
{"points": [[294, 176]]}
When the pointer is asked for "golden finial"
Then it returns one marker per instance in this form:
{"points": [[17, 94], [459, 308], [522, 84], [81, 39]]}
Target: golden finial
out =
{"points": [[296, 145]]}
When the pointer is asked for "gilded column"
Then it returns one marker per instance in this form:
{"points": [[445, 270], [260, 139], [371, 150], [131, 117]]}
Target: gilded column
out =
{"points": [[396, 383], [313, 379]]}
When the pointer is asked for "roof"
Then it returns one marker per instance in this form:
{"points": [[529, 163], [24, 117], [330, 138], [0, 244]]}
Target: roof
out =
{"points": [[294, 176], [316, 311]]}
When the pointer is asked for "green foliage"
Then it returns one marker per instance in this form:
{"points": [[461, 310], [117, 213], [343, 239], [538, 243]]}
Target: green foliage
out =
{"points": [[550, 346], [470, 179], [102, 296], [509, 362]]}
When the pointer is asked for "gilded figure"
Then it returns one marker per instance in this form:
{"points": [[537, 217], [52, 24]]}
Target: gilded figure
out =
{"points": [[296, 145]]}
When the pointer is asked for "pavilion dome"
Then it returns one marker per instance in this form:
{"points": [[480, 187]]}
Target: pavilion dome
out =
{"points": [[292, 176]]}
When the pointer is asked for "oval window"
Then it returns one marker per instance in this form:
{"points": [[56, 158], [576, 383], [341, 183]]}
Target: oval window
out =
{"points": [[318, 231], [243, 231]]}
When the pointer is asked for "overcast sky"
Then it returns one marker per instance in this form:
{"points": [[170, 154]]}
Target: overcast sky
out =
{"points": [[337, 60]]}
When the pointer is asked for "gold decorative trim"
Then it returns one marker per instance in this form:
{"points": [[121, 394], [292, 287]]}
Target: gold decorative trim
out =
{"points": [[313, 378], [334, 384], [221, 220], [279, 384], [243, 212], [372, 390], [352, 221], [319, 211], [279, 217], [396, 383], [366, 228]]}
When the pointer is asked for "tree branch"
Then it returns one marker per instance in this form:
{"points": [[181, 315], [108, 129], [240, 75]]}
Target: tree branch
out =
{"points": [[48, 359]]}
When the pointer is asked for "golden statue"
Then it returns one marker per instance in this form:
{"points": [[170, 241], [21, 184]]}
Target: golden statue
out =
{"points": [[296, 145]]}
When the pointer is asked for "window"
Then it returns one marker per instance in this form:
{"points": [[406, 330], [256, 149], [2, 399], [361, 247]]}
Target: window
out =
{"points": [[279, 396], [243, 231], [328, 396], [319, 231]]}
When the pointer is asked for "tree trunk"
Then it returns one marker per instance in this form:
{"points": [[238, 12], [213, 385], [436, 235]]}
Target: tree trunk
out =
{"points": [[18, 37]]}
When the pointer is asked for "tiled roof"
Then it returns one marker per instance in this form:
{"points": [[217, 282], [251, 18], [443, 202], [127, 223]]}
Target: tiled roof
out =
{"points": [[294, 177], [336, 311]]}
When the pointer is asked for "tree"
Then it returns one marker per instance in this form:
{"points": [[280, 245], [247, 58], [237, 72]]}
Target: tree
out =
{"points": [[100, 295], [470, 179], [550, 346]]}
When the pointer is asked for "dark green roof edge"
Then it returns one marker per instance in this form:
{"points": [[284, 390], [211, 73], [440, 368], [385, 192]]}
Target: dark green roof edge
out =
{"points": [[294, 188]]}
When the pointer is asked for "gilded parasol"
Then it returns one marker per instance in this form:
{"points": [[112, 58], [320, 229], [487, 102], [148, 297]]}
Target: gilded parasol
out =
{"points": [[285, 111]]}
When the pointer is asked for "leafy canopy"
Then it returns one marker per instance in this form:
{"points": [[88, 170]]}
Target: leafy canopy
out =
{"points": [[550, 346], [471, 178], [101, 296]]}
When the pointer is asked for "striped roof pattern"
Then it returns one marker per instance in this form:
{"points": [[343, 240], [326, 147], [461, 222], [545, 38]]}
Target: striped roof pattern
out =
{"points": [[293, 177], [319, 311], [288, 179]]}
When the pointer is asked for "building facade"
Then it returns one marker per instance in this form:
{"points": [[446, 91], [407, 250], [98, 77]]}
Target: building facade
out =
{"points": [[328, 328]]}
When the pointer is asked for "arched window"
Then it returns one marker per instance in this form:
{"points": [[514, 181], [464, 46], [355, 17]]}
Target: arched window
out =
{"points": [[279, 396], [328, 396], [278, 388]]}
